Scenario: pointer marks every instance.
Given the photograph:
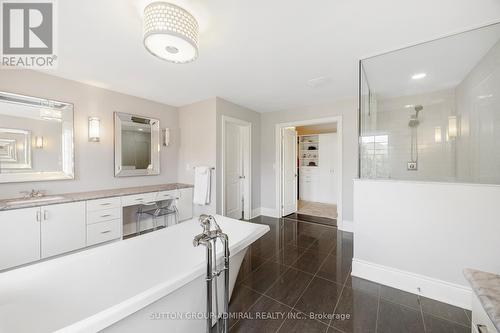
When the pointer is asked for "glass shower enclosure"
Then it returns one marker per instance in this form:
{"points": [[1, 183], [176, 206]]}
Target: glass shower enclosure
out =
{"points": [[431, 112]]}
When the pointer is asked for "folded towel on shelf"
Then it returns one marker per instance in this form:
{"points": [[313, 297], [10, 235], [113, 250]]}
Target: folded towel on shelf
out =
{"points": [[202, 179]]}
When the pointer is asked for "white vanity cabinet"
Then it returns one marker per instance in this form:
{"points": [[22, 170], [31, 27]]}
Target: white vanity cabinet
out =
{"points": [[104, 220], [19, 237], [31, 234], [63, 228]]}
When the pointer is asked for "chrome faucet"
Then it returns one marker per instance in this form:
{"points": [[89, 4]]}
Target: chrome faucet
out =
{"points": [[208, 238], [33, 194]]}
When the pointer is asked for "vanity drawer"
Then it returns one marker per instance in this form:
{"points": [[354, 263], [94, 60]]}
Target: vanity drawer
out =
{"points": [[102, 215], [165, 195], [106, 203], [103, 232], [138, 199]]}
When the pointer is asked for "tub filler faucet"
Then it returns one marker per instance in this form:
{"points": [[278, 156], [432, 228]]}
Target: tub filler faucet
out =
{"points": [[208, 238]]}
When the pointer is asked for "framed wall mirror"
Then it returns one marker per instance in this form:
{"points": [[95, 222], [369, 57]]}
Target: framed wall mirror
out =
{"points": [[36, 139], [137, 145]]}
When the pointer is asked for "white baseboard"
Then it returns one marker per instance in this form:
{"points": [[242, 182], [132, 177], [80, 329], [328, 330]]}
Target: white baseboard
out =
{"points": [[439, 290], [256, 212], [268, 212], [347, 226]]}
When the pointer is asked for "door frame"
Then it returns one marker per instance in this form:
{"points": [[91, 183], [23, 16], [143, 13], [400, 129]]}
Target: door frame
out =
{"points": [[247, 153], [278, 160], [282, 173]]}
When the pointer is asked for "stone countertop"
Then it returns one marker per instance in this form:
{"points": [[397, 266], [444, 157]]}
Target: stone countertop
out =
{"points": [[91, 195], [487, 288]]}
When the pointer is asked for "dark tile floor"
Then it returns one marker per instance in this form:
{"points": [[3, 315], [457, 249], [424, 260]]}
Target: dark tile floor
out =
{"points": [[297, 279]]}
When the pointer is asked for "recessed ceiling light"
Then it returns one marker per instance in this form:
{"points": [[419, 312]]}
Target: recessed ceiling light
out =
{"points": [[409, 106], [419, 76], [318, 81]]}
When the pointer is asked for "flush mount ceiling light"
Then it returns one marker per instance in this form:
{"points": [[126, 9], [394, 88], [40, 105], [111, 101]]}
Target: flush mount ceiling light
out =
{"points": [[170, 32], [419, 76]]}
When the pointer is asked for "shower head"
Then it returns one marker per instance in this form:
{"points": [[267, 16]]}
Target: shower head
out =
{"points": [[414, 122]]}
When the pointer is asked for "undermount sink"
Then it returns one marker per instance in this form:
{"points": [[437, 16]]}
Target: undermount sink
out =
{"points": [[33, 200]]}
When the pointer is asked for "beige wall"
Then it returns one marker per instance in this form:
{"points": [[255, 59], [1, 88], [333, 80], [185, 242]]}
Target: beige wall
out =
{"points": [[93, 161], [197, 145], [229, 109], [349, 149]]}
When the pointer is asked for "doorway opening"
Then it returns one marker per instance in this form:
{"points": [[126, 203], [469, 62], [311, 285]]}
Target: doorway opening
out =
{"points": [[236, 168], [309, 177]]}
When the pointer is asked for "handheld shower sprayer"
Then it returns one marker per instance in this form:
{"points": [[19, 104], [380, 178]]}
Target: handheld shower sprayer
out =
{"points": [[413, 124]]}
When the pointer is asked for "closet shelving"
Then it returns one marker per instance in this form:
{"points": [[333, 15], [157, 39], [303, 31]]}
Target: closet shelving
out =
{"points": [[309, 150]]}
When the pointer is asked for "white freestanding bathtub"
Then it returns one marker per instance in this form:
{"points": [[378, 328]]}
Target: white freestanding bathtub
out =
{"points": [[151, 283]]}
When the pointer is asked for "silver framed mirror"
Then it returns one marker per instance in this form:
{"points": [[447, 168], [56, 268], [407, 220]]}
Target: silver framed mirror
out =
{"points": [[36, 139], [137, 145]]}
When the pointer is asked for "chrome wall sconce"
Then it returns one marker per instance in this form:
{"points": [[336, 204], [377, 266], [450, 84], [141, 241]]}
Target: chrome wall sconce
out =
{"points": [[94, 129], [165, 139], [39, 142]]}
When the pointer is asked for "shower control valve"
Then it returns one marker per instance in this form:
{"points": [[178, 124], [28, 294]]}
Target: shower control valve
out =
{"points": [[412, 166]]}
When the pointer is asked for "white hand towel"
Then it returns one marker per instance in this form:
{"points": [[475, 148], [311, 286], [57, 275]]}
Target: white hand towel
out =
{"points": [[202, 176]]}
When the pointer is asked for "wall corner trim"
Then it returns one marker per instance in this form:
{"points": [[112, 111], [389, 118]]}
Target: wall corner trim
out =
{"points": [[439, 290], [256, 212], [346, 225]]}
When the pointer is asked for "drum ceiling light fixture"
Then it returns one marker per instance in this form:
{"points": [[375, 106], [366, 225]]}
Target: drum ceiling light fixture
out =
{"points": [[170, 32]]}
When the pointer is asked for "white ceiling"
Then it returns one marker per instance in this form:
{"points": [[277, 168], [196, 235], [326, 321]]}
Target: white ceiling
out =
{"points": [[446, 62], [256, 53]]}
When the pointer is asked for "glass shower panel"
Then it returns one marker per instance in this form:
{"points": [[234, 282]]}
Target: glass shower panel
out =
{"points": [[431, 112]]}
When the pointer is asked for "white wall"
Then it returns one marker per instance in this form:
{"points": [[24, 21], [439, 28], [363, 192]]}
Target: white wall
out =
{"points": [[436, 160], [478, 150], [349, 149], [197, 145], [425, 234], [229, 109], [93, 161]]}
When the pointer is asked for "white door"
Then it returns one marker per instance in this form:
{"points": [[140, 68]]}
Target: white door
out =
{"points": [[185, 204], [19, 237], [328, 168], [63, 228], [289, 167], [233, 170]]}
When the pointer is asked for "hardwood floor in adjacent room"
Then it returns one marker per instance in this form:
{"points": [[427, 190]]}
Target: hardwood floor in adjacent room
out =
{"points": [[317, 209]]}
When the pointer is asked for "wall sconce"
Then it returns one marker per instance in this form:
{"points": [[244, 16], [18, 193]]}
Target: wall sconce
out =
{"points": [[94, 129], [39, 142], [452, 127], [437, 134], [166, 137]]}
